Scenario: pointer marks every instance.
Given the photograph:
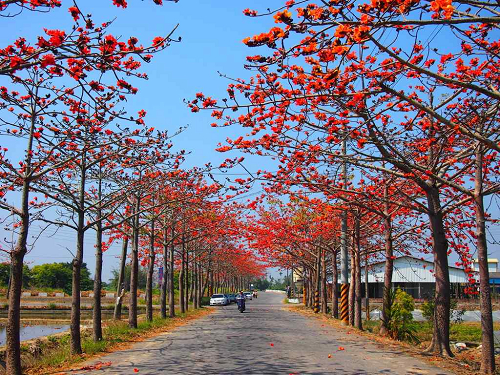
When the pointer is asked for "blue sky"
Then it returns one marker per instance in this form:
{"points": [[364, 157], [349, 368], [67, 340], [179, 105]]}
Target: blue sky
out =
{"points": [[211, 33]]}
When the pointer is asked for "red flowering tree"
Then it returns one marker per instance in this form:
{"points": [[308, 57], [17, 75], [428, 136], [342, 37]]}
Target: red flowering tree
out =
{"points": [[38, 113], [410, 109]]}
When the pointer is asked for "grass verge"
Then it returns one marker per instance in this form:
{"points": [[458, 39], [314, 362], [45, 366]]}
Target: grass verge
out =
{"points": [[464, 363], [469, 332], [53, 354]]}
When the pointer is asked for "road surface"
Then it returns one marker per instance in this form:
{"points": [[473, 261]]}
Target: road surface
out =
{"points": [[265, 339]]}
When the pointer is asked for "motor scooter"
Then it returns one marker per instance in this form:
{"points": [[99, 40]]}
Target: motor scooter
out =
{"points": [[241, 304]]}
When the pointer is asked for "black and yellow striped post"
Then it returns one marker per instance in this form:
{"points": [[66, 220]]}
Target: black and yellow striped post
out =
{"points": [[316, 302], [344, 303]]}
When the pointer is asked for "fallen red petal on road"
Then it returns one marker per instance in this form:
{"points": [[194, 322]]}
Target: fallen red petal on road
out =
{"points": [[272, 344], [136, 370], [329, 356], [341, 348], [97, 366]]}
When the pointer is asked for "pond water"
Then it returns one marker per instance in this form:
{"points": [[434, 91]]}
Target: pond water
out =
{"points": [[33, 331]]}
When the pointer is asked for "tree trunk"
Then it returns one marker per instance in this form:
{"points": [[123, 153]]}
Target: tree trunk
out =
{"points": [[317, 283], [164, 283], [149, 280], [171, 269], [199, 292], [97, 311], [205, 284], [134, 269], [186, 279], [335, 293], [324, 291], [311, 289], [440, 343], [305, 299], [13, 342], [13, 352], [120, 289], [181, 276], [487, 341], [194, 283], [211, 285], [352, 289], [389, 267], [76, 347], [217, 284], [367, 289], [357, 263], [193, 276]]}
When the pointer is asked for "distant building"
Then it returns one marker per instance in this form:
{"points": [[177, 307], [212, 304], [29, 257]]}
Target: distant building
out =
{"points": [[492, 265], [413, 275], [297, 281], [493, 271]]}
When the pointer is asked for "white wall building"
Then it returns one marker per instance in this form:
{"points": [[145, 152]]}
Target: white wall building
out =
{"points": [[413, 275], [492, 265]]}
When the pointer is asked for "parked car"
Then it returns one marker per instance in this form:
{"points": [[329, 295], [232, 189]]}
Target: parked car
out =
{"points": [[231, 297], [248, 295], [219, 300]]}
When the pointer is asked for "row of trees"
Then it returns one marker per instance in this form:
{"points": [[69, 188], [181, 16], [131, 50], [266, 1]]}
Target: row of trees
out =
{"points": [[48, 275], [272, 283], [383, 120], [88, 165]]}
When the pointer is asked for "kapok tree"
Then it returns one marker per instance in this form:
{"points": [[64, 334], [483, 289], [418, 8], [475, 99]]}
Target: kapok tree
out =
{"points": [[28, 66], [335, 86]]}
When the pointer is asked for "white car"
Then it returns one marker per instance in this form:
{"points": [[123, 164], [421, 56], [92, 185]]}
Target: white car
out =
{"points": [[219, 299], [248, 295]]}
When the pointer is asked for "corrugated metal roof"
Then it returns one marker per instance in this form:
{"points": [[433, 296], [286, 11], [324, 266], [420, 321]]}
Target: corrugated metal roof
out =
{"points": [[411, 270]]}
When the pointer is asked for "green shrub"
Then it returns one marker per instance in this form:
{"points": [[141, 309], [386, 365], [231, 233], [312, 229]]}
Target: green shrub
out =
{"points": [[456, 315], [52, 339], [400, 322], [428, 310], [92, 347]]}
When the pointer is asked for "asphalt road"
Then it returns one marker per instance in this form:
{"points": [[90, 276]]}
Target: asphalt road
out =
{"points": [[265, 339]]}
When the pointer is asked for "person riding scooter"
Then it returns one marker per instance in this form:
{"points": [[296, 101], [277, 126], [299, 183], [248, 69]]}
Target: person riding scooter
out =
{"points": [[240, 301]]}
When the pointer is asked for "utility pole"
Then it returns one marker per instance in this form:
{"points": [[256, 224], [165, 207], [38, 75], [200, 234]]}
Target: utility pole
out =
{"points": [[344, 285]]}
